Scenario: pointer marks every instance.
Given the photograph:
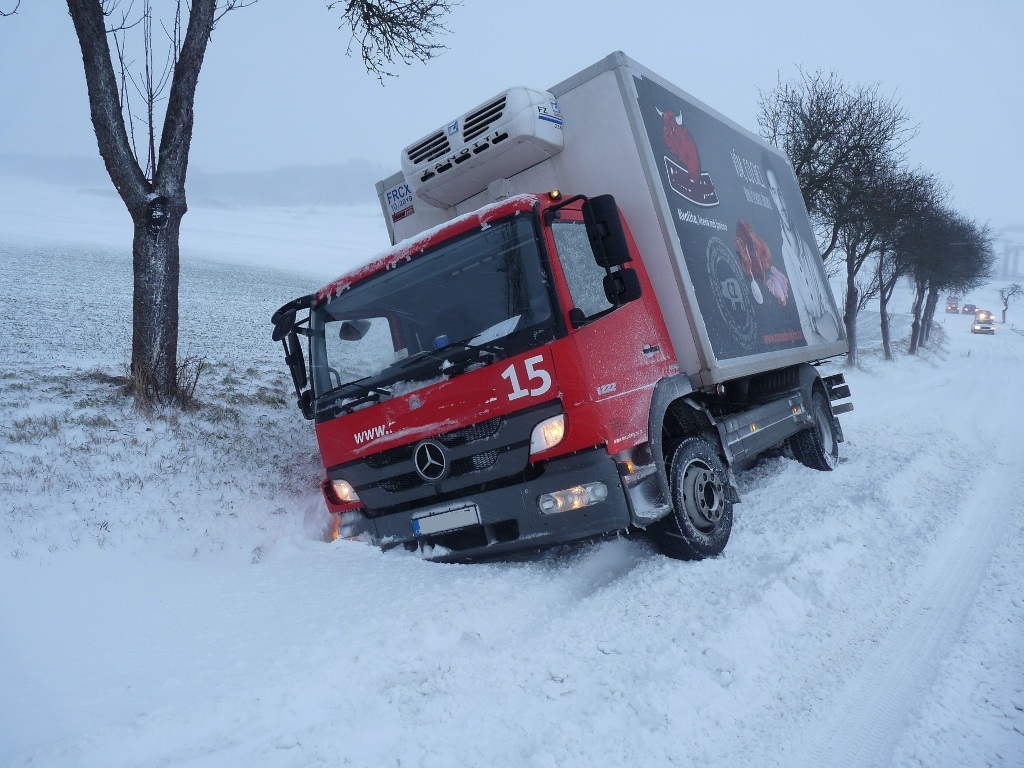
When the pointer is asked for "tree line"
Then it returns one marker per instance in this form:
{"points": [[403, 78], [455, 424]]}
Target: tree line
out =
{"points": [[878, 220]]}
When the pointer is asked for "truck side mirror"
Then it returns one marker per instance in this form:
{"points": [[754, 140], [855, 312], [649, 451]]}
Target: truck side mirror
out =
{"points": [[606, 232], [622, 287], [353, 330], [284, 321], [297, 367], [296, 361]]}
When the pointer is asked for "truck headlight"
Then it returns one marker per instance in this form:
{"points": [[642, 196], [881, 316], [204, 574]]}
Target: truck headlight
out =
{"points": [[547, 434], [339, 492], [577, 497]]}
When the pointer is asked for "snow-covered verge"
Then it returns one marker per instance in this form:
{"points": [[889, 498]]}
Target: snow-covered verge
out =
{"points": [[167, 596]]}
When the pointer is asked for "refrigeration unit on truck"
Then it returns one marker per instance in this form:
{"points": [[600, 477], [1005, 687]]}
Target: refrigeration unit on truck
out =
{"points": [[600, 299]]}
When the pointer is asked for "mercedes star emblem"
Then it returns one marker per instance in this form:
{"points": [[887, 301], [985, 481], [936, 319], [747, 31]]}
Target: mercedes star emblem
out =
{"points": [[431, 461]]}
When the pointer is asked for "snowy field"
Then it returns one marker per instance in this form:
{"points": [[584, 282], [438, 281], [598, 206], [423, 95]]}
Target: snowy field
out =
{"points": [[168, 597]]}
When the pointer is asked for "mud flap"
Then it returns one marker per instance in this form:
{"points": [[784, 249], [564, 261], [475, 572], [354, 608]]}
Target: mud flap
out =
{"points": [[732, 493]]}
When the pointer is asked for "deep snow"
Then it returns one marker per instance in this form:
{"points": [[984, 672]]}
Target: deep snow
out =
{"points": [[167, 596]]}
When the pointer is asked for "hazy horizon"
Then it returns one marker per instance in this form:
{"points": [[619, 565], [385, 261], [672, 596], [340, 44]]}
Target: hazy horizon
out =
{"points": [[277, 90]]}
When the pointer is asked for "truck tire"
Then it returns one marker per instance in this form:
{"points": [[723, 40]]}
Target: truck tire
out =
{"points": [[701, 518], [816, 447]]}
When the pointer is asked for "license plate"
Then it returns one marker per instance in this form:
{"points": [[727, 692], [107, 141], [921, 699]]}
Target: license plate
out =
{"points": [[446, 520]]}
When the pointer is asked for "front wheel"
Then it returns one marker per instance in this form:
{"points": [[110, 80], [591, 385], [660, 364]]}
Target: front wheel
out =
{"points": [[816, 447], [701, 518]]}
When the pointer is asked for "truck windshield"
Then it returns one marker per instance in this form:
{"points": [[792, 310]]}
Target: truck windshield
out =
{"points": [[479, 298]]}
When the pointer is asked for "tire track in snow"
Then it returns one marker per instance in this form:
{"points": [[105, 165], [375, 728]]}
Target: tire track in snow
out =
{"points": [[864, 725]]}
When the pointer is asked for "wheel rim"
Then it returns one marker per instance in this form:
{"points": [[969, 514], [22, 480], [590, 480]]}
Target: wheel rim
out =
{"points": [[703, 495], [824, 424]]}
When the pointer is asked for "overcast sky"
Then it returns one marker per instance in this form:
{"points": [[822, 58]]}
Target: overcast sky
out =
{"points": [[276, 88]]}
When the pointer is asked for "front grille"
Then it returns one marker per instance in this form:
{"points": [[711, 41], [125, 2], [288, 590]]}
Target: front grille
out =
{"points": [[462, 436], [390, 456], [489, 453], [459, 467], [457, 437], [474, 463], [479, 121], [479, 431], [401, 483]]}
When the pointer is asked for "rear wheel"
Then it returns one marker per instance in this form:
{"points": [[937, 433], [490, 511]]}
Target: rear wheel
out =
{"points": [[816, 447], [701, 518]]}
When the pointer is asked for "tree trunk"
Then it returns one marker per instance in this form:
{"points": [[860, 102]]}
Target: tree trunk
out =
{"points": [[850, 314], [915, 327], [929, 318], [883, 321], [155, 267], [929, 314], [883, 304]]}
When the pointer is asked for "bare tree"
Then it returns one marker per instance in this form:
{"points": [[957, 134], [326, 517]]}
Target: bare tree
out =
{"points": [[911, 195], [838, 138], [969, 260], [889, 271], [1008, 292], [150, 178], [872, 213], [945, 251]]}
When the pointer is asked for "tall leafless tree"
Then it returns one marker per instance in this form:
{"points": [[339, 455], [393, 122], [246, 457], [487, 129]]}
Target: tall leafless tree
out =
{"points": [[861, 237], [839, 138], [945, 251], [914, 193], [1008, 292], [151, 179]]}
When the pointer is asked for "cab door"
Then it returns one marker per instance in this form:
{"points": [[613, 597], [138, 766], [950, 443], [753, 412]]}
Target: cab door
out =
{"points": [[621, 351]]}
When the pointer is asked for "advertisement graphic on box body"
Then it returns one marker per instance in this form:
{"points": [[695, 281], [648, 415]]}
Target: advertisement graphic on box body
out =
{"points": [[754, 267]]}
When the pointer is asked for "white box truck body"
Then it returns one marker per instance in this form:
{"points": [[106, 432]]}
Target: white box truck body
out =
{"points": [[629, 133], [600, 299]]}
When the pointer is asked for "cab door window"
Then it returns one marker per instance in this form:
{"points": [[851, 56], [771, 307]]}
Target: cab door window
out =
{"points": [[582, 273]]}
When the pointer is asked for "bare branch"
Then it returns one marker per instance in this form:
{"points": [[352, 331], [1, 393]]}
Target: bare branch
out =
{"points": [[105, 103], [13, 10], [387, 31], [176, 136], [835, 135], [111, 6], [231, 5]]}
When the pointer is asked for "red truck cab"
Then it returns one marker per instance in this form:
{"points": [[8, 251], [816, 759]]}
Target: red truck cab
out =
{"points": [[482, 388]]}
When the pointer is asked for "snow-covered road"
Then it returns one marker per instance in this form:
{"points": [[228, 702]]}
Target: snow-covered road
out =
{"points": [[166, 598]]}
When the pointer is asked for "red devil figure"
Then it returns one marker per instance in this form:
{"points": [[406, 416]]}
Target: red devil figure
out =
{"points": [[680, 143]]}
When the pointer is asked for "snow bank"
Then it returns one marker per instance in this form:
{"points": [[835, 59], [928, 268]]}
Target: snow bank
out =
{"points": [[169, 597]]}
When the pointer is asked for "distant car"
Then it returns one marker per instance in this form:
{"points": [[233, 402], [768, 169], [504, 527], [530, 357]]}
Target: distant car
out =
{"points": [[953, 307], [984, 316], [968, 309], [982, 326]]}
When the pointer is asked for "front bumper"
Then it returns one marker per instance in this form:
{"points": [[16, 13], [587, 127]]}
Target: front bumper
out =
{"points": [[510, 519]]}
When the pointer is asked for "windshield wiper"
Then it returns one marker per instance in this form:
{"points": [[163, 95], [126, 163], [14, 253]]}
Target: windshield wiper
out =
{"points": [[451, 359], [370, 397], [468, 354], [363, 393], [416, 359]]}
